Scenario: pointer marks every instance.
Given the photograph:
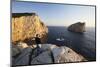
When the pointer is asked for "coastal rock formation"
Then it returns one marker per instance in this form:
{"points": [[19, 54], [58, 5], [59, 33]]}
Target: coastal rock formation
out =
{"points": [[17, 49], [26, 25], [23, 58], [65, 54], [50, 53], [43, 58], [77, 27]]}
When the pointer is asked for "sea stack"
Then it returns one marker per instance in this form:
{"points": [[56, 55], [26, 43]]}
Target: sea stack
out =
{"points": [[26, 25], [78, 27]]}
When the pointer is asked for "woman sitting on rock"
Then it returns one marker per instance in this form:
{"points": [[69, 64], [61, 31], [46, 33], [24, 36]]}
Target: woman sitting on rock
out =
{"points": [[38, 43], [37, 40]]}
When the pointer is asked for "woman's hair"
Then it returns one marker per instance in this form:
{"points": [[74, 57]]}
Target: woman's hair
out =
{"points": [[37, 35]]}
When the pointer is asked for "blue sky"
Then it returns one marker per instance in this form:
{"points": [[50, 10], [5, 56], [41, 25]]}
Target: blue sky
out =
{"points": [[58, 14]]}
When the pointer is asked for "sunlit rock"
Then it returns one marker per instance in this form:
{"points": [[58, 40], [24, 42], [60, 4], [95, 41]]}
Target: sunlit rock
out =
{"points": [[77, 27], [26, 26]]}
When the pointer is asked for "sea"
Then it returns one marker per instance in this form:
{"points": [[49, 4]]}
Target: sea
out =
{"points": [[82, 43]]}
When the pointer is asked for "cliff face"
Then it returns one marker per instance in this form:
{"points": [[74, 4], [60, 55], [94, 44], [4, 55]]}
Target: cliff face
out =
{"points": [[77, 27], [26, 26]]}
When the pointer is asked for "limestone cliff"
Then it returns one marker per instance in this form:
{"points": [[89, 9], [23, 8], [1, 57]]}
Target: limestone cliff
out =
{"points": [[26, 26], [77, 27]]}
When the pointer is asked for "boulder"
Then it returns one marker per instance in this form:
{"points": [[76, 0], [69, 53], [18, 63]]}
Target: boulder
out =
{"points": [[77, 27], [23, 58], [65, 54], [15, 51], [43, 58], [18, 48]]}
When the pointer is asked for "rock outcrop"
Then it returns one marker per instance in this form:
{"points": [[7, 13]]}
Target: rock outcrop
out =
{"points": [[77, 27], [50, 53], [26, 25], [63, 54], [17, 49]]}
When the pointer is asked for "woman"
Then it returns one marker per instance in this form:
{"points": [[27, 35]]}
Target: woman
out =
{"points": [[37, 40]]}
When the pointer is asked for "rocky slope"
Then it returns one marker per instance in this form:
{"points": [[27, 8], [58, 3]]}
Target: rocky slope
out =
{"points": [[77, 27], [26, 25], [50, 52]]}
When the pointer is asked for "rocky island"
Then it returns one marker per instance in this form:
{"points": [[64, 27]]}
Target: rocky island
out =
{"points": [[77, 27]]}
